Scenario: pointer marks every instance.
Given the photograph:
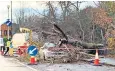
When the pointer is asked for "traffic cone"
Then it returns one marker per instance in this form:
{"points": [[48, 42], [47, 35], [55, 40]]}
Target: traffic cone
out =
{"points": [[96, 61], [32, 61], [35, 59]]}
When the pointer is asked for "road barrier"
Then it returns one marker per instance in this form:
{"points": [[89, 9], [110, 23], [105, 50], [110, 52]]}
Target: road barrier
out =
{"points": [[22, 50]]}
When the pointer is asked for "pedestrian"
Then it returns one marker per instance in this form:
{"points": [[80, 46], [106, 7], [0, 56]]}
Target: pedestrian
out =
{"points": [[3, 49], [7, 47]]}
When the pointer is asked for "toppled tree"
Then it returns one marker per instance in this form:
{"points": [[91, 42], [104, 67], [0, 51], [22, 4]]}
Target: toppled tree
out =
{"points": [[78, 42], [71, 48]]}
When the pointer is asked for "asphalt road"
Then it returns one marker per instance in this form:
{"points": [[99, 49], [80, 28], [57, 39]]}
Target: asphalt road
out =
{"points": [[11, 64], [72, 67]]}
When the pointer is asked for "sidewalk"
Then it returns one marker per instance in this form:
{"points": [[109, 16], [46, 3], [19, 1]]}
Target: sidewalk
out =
{"points": [[108, 61], [11, 64]]}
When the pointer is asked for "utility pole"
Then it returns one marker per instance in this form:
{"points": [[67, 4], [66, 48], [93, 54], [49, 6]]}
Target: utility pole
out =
{"points": [[8, 6], [0, 32], [11, 19]]}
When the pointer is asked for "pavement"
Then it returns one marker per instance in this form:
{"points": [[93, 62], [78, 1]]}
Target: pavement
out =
{"points": [[11, 64], [79, 66], [72, 67], [107, 61]]}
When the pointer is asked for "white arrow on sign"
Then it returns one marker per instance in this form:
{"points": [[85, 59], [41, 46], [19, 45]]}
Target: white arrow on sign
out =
{"points": [[31, 51]]}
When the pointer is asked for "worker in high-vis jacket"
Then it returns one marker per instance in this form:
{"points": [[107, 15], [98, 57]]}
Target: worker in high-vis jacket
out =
{"points": [[7, 46]]}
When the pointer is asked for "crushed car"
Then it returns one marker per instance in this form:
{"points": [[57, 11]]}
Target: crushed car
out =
{"points": [[50, 50]]}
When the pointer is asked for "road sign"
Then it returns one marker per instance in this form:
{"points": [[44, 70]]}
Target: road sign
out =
{"points": [[32, 50], [8, 22]]}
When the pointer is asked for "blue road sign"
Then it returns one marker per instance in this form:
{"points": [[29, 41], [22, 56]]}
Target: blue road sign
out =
{"points": [[32, 50], [8, 22]]}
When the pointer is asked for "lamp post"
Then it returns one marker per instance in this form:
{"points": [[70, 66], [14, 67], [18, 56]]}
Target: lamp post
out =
{"points": [[8, 6], [11, 19], [0, 31]]}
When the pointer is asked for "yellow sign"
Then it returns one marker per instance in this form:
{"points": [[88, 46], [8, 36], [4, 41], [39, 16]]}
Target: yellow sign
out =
{"points": [[11, 50], [25, 30]]}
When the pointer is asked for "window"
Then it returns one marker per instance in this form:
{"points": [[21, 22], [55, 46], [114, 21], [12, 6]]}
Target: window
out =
{"points": [[5, 32], [10, 32]]}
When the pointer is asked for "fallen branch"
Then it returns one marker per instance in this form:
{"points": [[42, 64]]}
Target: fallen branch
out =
{"points": [[48, 33]]}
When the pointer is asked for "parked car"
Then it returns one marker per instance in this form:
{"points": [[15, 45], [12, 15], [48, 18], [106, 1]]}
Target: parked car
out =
{"points": [[1, 42], [50, 50], [44, 53]]}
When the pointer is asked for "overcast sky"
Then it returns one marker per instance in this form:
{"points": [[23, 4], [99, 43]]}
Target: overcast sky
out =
{"points": [[30, 4]]}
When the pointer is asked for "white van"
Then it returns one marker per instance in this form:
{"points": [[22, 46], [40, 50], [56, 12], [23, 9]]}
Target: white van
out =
{"points": [[19, 39], [1, 42]]}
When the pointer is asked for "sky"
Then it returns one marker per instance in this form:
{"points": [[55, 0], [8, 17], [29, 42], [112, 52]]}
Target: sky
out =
{"points": [[26, 4]]}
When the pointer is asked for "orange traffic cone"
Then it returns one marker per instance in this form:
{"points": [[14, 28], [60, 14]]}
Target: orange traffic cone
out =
{"points": [[32, 61], [96, 61]]}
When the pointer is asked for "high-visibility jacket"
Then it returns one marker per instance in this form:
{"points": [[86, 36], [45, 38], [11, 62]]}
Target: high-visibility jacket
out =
{"points": [[8, 43]]}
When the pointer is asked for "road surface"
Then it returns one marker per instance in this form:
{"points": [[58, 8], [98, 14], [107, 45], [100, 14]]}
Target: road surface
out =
{"points": [[11, 64]]}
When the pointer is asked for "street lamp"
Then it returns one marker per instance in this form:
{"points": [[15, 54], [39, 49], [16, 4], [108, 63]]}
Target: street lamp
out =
{"points": [[8, 6], [11, 19]]}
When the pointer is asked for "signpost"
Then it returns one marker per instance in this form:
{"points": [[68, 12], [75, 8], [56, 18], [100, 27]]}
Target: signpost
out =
{"points": [[8, 23], [32, 51], [8, 6]]}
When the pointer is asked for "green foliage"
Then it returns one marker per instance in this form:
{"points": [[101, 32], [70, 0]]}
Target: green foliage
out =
{"points": [[6, 39], [109, 6]]}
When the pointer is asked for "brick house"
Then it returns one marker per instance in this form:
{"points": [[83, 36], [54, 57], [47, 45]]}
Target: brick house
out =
{"points": [[4, 31]]}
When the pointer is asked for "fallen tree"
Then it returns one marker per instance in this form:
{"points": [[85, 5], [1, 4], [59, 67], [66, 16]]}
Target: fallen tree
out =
{"points": [[86, 45], [78, 42], [74, 49]]}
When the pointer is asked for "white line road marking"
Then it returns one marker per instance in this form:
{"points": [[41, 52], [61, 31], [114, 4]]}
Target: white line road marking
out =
{"points": [[27, 66]]}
